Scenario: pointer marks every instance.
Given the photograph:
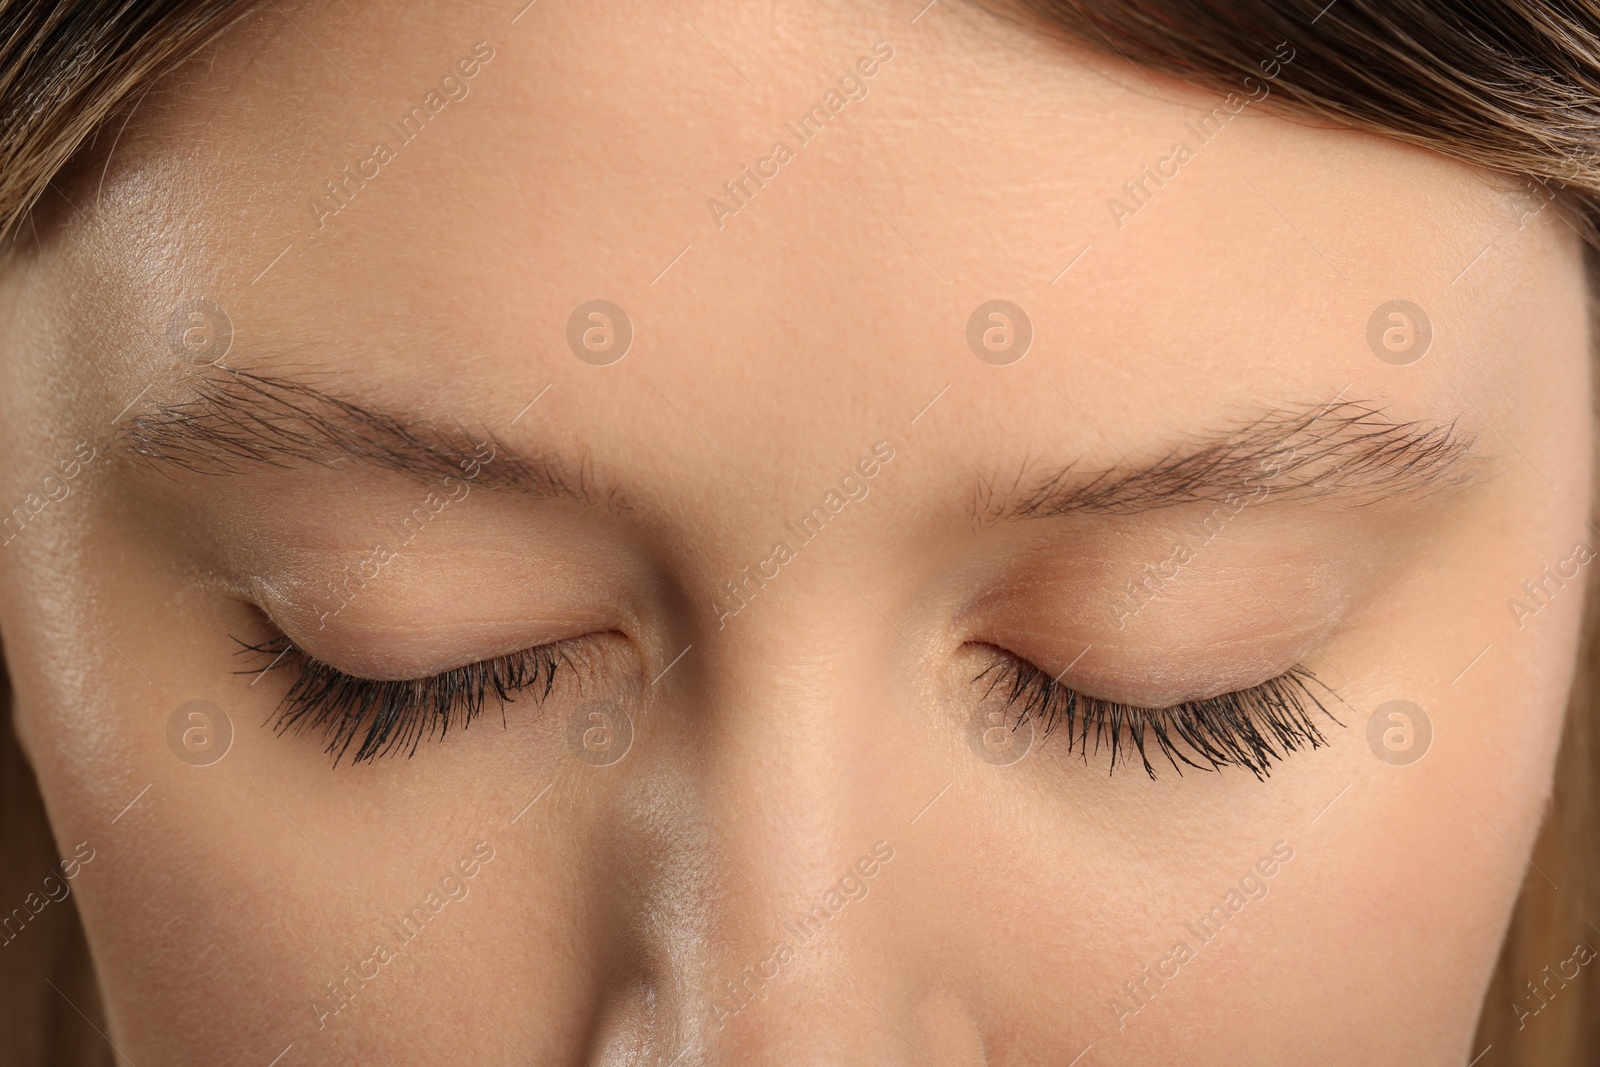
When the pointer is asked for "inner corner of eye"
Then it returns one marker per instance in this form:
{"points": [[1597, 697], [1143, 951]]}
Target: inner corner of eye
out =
{"points": [[1022, 653], [988, 664]]}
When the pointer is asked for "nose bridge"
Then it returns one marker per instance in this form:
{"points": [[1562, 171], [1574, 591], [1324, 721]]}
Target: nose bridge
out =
{"points": [[799, 962], [759, 850], [794, 738]]}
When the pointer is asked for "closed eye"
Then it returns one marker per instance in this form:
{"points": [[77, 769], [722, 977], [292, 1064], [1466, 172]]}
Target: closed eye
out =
{"points": [[387, 717], [1250, 728]]}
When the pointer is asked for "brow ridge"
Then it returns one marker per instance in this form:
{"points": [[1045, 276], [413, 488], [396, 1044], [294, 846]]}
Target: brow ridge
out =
{"points": [[1352, 453], [236, 422]]}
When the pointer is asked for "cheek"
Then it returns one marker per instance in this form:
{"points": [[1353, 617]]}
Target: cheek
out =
{"points": [[271, 839]]}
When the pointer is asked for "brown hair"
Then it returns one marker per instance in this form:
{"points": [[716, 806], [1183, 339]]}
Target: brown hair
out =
{"points": [[1513, 86], [67, 68]]}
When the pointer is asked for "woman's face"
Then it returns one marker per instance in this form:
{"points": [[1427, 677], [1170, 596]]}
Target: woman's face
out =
{"points": [[781, 403]]}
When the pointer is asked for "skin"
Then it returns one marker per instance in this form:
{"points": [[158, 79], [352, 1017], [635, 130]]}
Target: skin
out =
{"points": [[834, 711]]}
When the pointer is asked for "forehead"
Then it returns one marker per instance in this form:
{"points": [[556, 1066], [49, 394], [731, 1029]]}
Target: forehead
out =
{"points": [[798, 217]]}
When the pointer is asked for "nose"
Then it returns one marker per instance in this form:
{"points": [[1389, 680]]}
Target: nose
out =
{"points": [[773, 860]]}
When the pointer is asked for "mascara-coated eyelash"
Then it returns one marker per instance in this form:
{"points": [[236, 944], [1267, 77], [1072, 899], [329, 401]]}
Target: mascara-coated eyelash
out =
{"points": [[1249, 728], [394, 716]]}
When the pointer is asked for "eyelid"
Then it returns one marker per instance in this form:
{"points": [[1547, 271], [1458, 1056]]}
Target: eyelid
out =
{"points": [[432, 633], [1237, 613], [1249, 728]]}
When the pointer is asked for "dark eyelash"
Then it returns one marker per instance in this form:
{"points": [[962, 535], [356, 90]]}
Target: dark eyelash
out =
{"points": [[1249, 728], [396, 715]]}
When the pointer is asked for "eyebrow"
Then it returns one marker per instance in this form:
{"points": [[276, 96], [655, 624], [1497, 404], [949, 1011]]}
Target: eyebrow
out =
{"points": [[1350, 453], [237, 422]]}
